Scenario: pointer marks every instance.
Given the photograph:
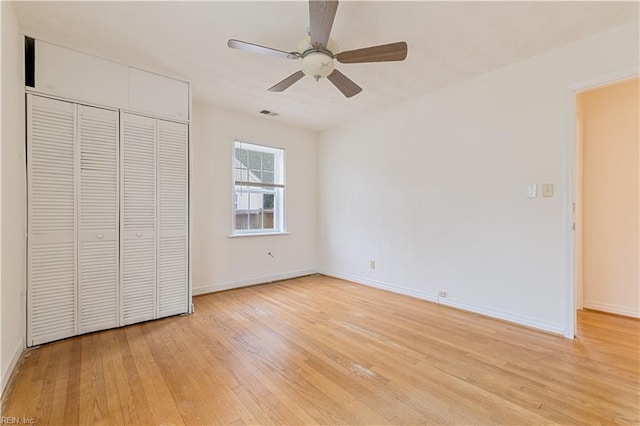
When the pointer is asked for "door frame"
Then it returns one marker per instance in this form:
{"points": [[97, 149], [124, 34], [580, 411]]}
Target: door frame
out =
{"points": [[572, 185]]}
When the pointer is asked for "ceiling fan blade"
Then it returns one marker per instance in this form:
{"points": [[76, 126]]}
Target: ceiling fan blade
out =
{"points": [[344, 84], [256, 48], [321, 16], [383, 53], [287, 82]]}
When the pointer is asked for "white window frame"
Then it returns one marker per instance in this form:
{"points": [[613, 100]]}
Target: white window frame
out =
{"points": [[278, 187]]}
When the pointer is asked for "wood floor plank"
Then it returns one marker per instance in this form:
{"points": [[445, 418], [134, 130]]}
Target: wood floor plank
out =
{"points": [[72, 400], [162, 406], [318, 350]]}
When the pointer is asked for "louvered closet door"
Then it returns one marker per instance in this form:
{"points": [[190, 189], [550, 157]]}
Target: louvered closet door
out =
{"points": [[173, 256], [51, 127], [98, 258], [138, 218]]}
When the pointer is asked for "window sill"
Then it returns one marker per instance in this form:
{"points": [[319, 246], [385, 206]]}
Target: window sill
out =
{"points": [[257, 234]]}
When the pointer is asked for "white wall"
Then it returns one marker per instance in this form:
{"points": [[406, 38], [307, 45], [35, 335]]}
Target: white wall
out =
{"points": [[13, 198], [435, 190], [611, 134], [220, 262]]}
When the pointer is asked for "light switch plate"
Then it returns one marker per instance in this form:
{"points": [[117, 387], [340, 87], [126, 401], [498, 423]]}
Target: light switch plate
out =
{"points": [[532, 191], [547, 190]]}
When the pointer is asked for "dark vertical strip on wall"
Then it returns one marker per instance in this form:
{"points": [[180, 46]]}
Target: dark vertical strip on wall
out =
{"points": [[29, 62]]}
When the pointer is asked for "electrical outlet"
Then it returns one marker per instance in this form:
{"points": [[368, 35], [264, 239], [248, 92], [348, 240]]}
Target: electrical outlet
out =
{"points": [[372, 264], [442, 293]]}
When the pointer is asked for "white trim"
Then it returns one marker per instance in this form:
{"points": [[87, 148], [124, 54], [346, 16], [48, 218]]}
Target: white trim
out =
{"points": [[489, 312], [505, 316], [234, 161], [257, 234], [190, 203], [614, 309], [121, 121], [76, 216], [258, 184], [156, 225], [279, 175], [212, 288], [15, 357], [382, 285], [103, 105], [255, 146], [29, 178], [608, 78], [569, 182]]}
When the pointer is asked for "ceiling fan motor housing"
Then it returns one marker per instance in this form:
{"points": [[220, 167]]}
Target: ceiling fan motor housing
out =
{"points": [[305, 44]]}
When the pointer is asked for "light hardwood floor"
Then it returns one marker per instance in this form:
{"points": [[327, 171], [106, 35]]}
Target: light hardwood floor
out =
{"points": [[322, 350]]}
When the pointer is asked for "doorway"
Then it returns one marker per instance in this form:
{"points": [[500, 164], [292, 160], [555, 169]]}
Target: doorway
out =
{"points": [[572, 288], [607, 201]]}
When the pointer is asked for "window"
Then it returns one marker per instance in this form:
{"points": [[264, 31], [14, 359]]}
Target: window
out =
{"points": [[258, 189]]}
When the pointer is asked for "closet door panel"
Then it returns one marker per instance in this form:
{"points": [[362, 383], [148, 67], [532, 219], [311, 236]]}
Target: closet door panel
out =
{"points": [[98, 260], [51, 127], [138, 219], [173, 216]]}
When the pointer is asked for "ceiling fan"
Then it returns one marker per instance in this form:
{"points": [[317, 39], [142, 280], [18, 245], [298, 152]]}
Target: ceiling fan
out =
{"points": [[318, 51]]}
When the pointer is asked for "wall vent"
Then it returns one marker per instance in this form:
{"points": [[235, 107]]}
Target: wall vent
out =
{"points": [[269, 113]]}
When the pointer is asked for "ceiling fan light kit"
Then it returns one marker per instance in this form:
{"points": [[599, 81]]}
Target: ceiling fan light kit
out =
{"points": [[317, 52], [317, 64]]}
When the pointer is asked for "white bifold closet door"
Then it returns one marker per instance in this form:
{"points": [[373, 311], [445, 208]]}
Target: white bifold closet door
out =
{"points": [[51, 130], [155, 219], [138, 258], [72, 219], [173, 255], [107, 217], [98, 219]]}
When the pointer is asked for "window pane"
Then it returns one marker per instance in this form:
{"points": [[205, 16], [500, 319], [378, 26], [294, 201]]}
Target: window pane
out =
{"points": [[242, 221], [242, 210], [255, 210], [255, 176], [255, 220], [255, 160], [241, 155], [268, 220], [268, 163], [268, 201], [241, 174], [267, 177]]}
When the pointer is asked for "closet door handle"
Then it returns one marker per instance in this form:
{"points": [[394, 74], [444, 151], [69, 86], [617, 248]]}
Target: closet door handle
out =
{"points": [[99, 236], [138, 234]]}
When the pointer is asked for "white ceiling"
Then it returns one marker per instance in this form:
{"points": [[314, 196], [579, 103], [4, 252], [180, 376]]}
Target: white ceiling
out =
{"points": [[448, 42]]}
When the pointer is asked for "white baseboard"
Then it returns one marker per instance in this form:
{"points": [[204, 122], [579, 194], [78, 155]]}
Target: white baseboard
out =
{"points": [[6, 373], [503, 315], [212, 288], [382, 285], [433, 297], [614, 309]]}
